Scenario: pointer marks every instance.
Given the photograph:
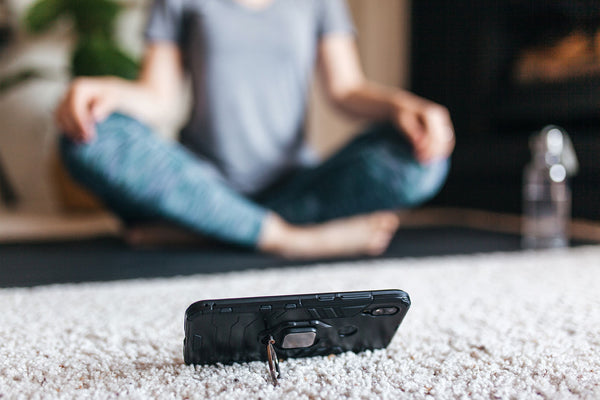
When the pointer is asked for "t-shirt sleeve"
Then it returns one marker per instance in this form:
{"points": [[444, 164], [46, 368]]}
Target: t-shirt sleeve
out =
{"points": [[334, 18], [165, 21]]}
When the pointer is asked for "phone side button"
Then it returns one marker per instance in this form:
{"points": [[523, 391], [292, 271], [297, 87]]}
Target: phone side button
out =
{"points": [[356, 296], [265, 308], [290, 306], [197, 342], [326, 297]]}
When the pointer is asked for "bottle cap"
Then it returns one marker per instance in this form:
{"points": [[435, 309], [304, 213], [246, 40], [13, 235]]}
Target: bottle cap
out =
{"points": [[554, 144]]}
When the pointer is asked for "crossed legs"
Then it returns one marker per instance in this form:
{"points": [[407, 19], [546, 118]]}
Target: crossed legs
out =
{"points": [[343, 207]]}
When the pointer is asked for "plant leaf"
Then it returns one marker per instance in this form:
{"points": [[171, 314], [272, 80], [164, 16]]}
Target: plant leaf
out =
{"points": [[97, 56], [94, 17], [42, 14]]}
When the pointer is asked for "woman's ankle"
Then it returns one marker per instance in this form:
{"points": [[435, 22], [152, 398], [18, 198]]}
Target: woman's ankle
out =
{"points": [[274, 234]]}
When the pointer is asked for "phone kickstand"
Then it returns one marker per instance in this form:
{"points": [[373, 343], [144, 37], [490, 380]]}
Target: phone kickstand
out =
{"points": [[273, 361]]}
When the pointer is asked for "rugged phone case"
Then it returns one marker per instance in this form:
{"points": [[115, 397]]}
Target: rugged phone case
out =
{"points": [[237, 330]]}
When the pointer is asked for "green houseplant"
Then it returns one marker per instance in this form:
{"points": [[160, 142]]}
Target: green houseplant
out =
{"points": [[96, 51]]}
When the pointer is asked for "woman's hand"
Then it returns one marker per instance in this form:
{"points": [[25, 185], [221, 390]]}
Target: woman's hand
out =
{"points": [[87, 102], [426, 125], [149, 99]]}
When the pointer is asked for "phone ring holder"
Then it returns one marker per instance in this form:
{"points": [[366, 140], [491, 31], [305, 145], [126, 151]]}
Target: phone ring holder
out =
{"points": [[273, 361]]}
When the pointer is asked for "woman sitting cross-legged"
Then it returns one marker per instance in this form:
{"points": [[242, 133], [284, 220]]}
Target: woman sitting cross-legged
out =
{"points": [[242, 172]]}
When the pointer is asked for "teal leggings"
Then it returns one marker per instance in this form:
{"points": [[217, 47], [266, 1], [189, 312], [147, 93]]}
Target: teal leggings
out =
{"points": [[144, 178]]}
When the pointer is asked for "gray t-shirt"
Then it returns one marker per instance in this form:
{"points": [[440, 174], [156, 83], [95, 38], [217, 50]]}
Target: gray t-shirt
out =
{"points": [[250, 71]]}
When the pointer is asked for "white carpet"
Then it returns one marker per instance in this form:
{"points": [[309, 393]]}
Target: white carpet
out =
{"points": [[521, 325]]}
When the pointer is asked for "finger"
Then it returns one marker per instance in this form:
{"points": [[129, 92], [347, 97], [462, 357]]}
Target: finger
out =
{"points": [[436, 119], [424, 149], [440, 133], [70, 125], [426, 130], [438, 150], [62, 121], [90, 132], [79, 135], [81, 119], [432, 153], [450, 144], [67, 127], [101, 108], [432, 149], [80, 114], [412, 128], [423, 156], [445, 142]]}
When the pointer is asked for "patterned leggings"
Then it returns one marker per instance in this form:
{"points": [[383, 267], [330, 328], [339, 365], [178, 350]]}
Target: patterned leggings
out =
{"points": [[141, 177]]}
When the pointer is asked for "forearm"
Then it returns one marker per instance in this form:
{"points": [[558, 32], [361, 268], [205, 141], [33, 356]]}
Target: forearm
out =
{"points": [[153, 95], [141, 100], [350, 91], [366, 100], [425, 124], [377, 102], [150, 98]]}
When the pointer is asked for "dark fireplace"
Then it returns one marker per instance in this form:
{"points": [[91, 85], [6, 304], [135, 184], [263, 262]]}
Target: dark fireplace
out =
{"points": [[505, 69], [553, 68], [557, 41]]}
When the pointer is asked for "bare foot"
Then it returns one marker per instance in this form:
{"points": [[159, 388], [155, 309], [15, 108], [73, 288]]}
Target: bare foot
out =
{"points": [[368, 234]]}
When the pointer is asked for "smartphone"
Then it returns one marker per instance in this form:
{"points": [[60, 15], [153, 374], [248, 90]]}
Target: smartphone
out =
{"points": [[238, 330]]}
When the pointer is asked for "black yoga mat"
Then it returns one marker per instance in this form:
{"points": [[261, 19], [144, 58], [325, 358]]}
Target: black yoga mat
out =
{"points": [[105, 259]]}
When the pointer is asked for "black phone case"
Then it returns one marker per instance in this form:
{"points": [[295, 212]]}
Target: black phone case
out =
{"points": [[237, 330]]}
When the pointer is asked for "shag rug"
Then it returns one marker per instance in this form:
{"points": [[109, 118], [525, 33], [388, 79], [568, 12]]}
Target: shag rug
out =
{"points": [[490, 326]]}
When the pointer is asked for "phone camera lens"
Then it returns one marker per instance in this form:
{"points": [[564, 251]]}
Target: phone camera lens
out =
{"points": [[384, 311], [299, 338]]}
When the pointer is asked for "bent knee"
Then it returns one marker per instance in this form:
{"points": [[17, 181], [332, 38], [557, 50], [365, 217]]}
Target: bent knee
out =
{"points": [[114, 132], [76, 155], [400, 181], [113, 136], [423, 182], [412, 184], [76, 158]]}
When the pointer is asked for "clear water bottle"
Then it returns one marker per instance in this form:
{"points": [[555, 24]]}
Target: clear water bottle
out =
{"points": [[546, 190]]}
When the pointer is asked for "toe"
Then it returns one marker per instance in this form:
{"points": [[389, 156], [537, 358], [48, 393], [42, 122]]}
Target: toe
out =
{"points": [[388, 222], [379, 243]]}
